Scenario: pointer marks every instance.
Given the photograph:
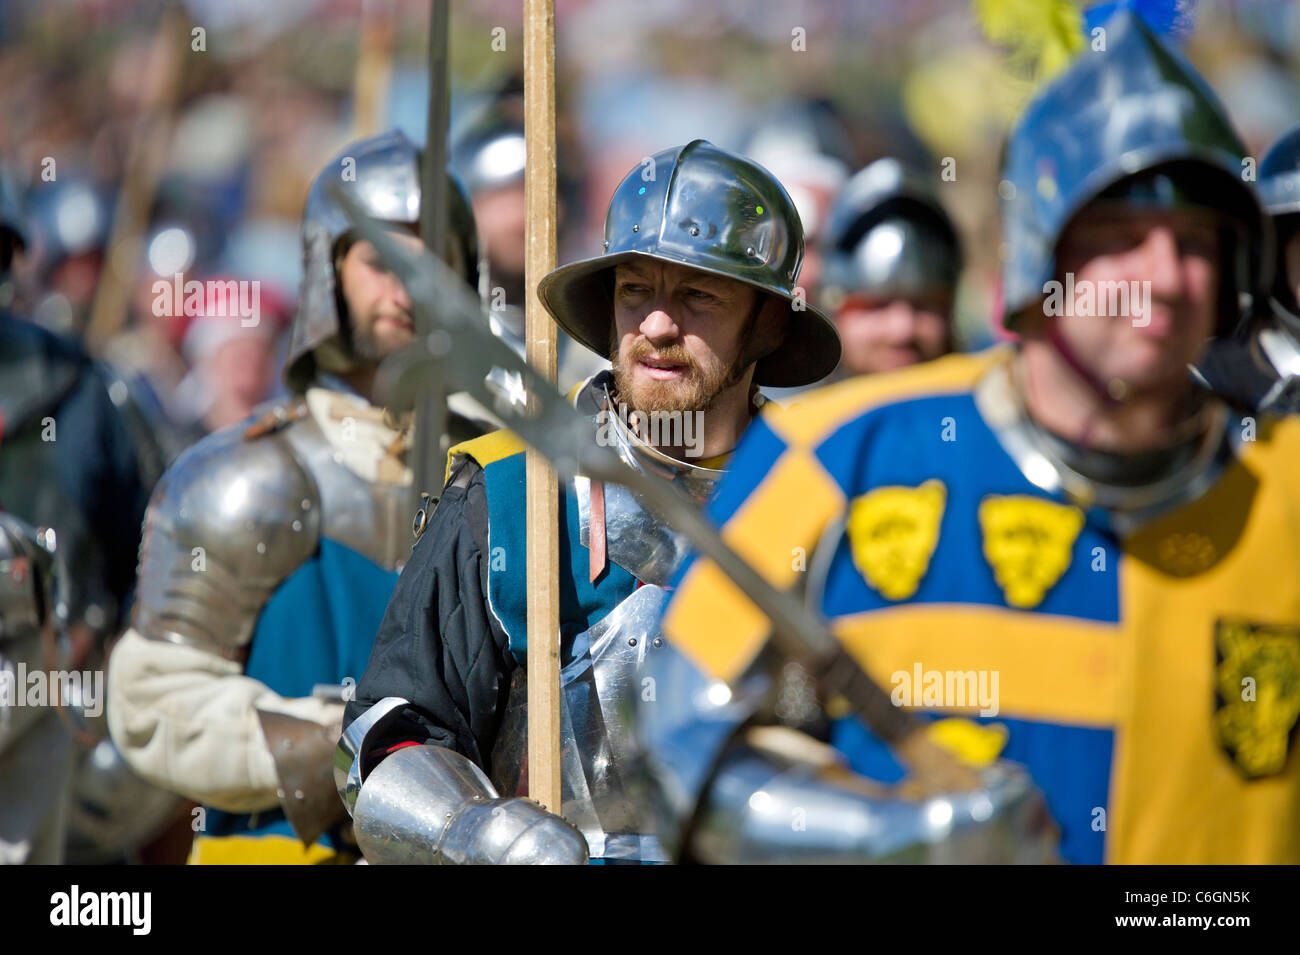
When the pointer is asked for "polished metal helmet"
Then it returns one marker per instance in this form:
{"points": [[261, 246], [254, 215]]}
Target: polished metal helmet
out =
{"points": [[382, 173], [490, 154], [1279, 175], [1279, 191], [889, 236], [699, 206], [1126, 115]]}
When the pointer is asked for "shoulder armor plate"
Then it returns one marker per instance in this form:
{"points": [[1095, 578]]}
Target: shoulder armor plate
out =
{"points": [[372, 518], [230, 520]]}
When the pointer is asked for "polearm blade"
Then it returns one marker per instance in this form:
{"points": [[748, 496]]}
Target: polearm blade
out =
{"points": [[431, 399], [555, 429], [542, 487]]}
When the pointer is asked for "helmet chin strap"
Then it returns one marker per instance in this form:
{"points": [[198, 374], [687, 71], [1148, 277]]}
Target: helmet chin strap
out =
{"points": [[1111, 393]]}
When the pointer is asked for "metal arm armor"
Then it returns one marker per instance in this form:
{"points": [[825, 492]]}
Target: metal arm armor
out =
{"points": [[429, 805], [767, 807], [230, 520], [722, 793]]}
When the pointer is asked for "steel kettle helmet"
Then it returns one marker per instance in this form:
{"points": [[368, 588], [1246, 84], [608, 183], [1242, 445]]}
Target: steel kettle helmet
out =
{"points": [[382, 173], [1279, 190], [889, 235], [700, 206]]}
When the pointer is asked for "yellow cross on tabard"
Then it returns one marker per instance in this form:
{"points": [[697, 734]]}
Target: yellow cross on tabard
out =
{"points": [[1028, 541]]}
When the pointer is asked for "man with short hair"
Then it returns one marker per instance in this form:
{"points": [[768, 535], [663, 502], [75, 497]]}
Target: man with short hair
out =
{"points": [[694, 301], [1062, 554]]}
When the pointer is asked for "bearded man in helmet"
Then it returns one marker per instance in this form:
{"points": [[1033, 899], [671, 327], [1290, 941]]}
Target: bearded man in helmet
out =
{"points": [[1062, 553], [693, 300], [270, 548]]}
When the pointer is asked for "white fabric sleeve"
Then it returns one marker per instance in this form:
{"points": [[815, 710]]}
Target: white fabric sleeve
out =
{"points": [[186, 719]]}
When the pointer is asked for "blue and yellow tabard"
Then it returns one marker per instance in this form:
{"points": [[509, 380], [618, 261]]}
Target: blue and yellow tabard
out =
{"points": [[318, 627], [1148, 679], [582, 602]]}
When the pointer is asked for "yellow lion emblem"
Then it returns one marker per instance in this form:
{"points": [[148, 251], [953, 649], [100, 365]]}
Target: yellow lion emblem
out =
{"points": [[893, 532], [1258, 679], [1028, 541]]}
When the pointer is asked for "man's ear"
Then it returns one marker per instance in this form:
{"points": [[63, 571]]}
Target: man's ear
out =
{"points": [[767, 330]]}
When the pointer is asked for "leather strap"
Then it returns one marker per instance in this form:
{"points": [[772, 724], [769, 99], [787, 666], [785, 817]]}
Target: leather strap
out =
{"points": [[598, 558], [275, 419]]}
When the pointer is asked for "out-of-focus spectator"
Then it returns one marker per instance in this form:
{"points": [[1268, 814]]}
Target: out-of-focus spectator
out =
{"points": [[233, 364]]}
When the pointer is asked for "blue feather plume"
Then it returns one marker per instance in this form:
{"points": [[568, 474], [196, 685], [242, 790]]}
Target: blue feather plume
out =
{"points": [[1170, 18]]}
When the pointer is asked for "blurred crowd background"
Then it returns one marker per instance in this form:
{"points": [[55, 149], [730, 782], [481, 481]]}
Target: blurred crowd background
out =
{"points": [[204, 122]]}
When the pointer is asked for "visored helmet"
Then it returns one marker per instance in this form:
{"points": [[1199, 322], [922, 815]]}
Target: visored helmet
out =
{"points": [[889, 236], [1136, 114], [382, 173], [703, 207]]}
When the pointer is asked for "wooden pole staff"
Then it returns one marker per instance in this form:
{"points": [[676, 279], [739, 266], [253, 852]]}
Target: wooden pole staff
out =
{"points": [[374, 70], [146, 154], [543, 489]]}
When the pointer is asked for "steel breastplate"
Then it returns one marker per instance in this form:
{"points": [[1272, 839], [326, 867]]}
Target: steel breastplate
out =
{"points": [[370, 517], [597, 689], [635, 538]]}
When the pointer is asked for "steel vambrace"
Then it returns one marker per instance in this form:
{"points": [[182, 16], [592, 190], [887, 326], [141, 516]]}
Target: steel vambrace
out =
{"points": [[428, 805], [765, 808]]}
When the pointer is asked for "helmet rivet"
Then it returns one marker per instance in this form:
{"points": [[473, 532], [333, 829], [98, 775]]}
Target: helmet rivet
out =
{"points": [[636, 228], [749, 250], [695, 230], [607, 243], [631, 642]]}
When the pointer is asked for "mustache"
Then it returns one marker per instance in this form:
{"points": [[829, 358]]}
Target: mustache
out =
{"points": [[675, 354]]}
